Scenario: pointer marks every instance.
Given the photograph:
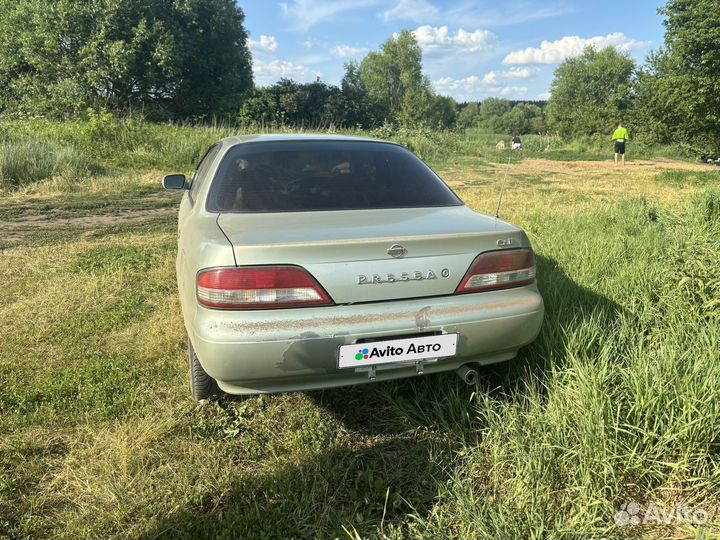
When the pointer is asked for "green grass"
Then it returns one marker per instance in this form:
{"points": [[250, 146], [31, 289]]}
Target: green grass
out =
{"points": [[29, 160], [617, 401], [696, 178]]}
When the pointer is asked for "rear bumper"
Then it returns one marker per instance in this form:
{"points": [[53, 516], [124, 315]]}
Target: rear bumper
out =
{"points": [[296, 349]]}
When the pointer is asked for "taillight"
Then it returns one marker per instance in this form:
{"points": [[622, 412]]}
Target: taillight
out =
{"points": [[495, 270], [259, 287]]}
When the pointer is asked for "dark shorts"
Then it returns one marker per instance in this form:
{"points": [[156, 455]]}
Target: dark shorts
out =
{"points": [[619, 147]]}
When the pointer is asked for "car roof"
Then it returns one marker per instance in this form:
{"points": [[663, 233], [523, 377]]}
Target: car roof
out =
{"points": [[286, 137]]}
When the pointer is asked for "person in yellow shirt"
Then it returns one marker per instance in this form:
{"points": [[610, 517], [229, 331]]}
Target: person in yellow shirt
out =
{"points": [[620, 137]]}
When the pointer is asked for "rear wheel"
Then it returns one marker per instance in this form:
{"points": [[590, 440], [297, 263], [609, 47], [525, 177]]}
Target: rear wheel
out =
{"points": [[202, 385]]}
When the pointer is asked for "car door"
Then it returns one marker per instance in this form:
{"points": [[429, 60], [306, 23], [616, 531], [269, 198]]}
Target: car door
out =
{"points": [[189, 201], [196, 182]]}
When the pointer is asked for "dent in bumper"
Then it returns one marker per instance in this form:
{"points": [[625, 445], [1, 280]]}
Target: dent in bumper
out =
{"points": [[250, 352]]}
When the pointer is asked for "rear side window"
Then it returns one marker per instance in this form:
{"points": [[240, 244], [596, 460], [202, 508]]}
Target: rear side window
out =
{"points": [[201, 172], [299, 176]]}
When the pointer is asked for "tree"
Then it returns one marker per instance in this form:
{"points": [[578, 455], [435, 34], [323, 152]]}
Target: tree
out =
{"points": [[469, 116], [591, 92], [490, 112], [443, 112], [289, 103], [521, 119], [394, 81], [58, 57], [358, 109], [677, 90]]}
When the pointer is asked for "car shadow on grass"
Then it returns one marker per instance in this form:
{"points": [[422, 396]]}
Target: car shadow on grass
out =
{"points": [[353, 486], [443, 400], [395, 444]]}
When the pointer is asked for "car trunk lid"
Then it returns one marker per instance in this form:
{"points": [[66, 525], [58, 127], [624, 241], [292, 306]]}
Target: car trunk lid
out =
{"points": [[372, 255]]}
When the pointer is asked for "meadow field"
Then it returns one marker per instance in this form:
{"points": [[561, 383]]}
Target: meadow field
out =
{"points": [[615, 408]]}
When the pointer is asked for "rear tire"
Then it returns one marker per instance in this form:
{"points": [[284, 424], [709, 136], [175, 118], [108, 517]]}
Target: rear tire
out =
{"points": [[202, 385]]}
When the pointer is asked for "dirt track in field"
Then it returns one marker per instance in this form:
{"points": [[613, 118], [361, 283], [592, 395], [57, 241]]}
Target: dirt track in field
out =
{"points": [[14, 231], [47, 221], [581, 169]]}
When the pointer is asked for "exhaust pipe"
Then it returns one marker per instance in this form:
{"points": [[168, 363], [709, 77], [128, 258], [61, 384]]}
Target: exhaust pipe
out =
{"points": [[468, 374]]}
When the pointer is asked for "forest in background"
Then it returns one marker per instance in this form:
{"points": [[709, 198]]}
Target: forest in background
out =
{"points": [[60, 59]]}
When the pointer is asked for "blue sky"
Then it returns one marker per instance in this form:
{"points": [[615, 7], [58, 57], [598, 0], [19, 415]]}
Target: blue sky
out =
{"points": [[472, 49]]}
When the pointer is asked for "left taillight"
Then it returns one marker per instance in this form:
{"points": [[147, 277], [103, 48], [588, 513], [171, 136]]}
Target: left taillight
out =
{"points": [[259, 287], [494, 270]]}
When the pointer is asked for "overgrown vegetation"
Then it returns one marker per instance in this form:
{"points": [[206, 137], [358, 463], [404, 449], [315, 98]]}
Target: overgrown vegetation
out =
{"points": [[23, 161], [616, 402], [157, 58], [676, 97], [591, 92]]}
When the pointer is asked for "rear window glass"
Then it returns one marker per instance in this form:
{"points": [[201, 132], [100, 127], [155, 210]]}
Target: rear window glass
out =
{"points": [[324, 175]]}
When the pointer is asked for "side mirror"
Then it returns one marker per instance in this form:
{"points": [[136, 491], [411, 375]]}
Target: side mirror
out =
{"points": [[174, 181]]}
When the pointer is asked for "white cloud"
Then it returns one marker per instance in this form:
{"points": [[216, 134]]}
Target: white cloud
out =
{"points": [[498, 77], [474, 87], [335, 50], [411, 10], [490, 78], [544, 95], [554, 52], [517, 73], [346, 51], [473, 83], [437, 39], [509, 90], [269, 72], [266, 44], [304, 14]]}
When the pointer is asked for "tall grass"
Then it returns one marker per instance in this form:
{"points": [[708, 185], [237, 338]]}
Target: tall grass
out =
{"points": [[126, 144], [618, 401], [24, 161], [73, 147]]}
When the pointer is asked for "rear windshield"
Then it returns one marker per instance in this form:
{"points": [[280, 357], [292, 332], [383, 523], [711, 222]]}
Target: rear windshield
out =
{"points": [[324, 175]]}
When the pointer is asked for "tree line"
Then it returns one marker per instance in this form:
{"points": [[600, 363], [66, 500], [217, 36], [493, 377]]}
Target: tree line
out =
{"points": [[673, 98], [190, 60]]}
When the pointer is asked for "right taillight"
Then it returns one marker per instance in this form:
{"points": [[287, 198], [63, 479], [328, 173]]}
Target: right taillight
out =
{"points": [[502, 269]]}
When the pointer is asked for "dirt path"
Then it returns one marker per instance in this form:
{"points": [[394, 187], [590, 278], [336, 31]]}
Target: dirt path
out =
{"points": [[47, 221], [575, 186], [580, 168], [546, 165], [14, 231]]}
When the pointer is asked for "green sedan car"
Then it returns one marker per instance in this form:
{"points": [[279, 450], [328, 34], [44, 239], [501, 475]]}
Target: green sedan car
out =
{"points": [[319, 261]]}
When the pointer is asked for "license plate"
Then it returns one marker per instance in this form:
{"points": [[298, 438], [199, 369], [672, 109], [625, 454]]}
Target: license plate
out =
{"points": [[397, 350]]}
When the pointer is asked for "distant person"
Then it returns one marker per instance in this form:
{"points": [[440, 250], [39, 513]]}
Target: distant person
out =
{"points": [[517, 143], [620, 137], [500, 145]]}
